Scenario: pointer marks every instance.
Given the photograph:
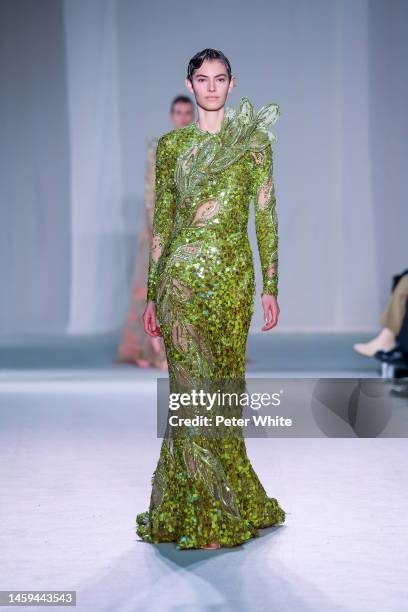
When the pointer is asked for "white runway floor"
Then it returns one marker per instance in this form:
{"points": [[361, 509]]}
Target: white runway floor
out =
{"points": [[77, 450]]}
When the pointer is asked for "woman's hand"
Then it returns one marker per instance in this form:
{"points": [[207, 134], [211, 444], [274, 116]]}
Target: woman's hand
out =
{"points": [[151, 324], [271, 311]]}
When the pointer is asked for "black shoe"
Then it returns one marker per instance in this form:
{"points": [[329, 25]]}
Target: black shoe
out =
{"points": [[394, 356]]}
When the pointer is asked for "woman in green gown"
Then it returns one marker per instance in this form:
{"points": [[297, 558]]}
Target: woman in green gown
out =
{"points": [[201, 287]]}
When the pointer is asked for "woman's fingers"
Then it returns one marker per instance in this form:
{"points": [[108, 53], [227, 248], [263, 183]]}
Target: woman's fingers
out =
{"points": [[154, 326], [151, 325], [271, 315]]}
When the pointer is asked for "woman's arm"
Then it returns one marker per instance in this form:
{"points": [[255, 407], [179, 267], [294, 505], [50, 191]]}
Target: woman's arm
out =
{"points": [[164, 210], [266, 220], [150, 181]]}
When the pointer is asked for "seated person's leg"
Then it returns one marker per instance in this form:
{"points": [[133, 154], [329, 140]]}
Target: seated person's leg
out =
{"points": [[391, 321]]}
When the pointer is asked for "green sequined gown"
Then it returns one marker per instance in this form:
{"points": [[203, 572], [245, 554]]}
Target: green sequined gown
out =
{"points": [[201, 276]]}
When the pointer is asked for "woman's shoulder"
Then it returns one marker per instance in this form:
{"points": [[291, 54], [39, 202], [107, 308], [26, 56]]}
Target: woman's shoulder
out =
{"points": [[175, 136], [173, 143], [254, 126]]}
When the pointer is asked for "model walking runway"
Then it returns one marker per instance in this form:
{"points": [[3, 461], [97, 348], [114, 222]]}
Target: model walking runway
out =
{"points": [[201, 277]]}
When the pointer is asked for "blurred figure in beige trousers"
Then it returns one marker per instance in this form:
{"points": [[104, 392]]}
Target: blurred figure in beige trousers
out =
{"points": [[391, 321]]}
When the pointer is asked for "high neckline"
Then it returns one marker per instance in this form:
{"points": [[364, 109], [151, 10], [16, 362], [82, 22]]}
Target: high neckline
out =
{"points": [[205, 131]]}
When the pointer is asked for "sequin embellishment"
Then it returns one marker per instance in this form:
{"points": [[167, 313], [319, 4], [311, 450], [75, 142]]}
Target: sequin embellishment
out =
{"points": [[202, 280]]}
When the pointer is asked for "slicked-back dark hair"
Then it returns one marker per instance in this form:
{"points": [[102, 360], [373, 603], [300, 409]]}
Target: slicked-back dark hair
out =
{"points": [[207, 54], [181, 98]]}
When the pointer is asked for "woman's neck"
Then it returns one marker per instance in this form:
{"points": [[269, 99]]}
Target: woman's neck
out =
{"points": [[210, 121]]}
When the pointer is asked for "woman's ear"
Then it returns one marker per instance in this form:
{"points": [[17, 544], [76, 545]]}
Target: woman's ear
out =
{"points": [[188, 84]]}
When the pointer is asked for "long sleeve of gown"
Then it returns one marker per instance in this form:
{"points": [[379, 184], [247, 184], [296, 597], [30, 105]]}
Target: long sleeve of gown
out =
{"points": [[164, 210], [266, 220], [150, 180]]}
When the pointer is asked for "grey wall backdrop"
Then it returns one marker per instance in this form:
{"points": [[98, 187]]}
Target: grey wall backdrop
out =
{"points": [[86, 83]]}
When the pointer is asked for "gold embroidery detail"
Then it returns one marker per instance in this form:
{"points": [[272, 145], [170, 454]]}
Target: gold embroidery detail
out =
{"points": [[189, 159], [185, 251], [180, 338], [258, 157], [185, 292]]}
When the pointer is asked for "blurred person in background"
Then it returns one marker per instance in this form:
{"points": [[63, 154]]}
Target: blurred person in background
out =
{"points": [[136, 347]]}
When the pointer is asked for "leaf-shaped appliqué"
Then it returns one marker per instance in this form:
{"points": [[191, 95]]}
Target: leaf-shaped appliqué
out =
{"points": [[259, 141], [185, 251], [203, 465], [180, 336], [268, 115], [230, 113], [203, 346], [272, 137], [246, 110], [206, 153], [205, 212], [240, 132], [181, 290]]}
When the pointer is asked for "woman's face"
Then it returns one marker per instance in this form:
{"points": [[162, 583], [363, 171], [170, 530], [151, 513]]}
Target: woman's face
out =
{"points": [[210, 85]]}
